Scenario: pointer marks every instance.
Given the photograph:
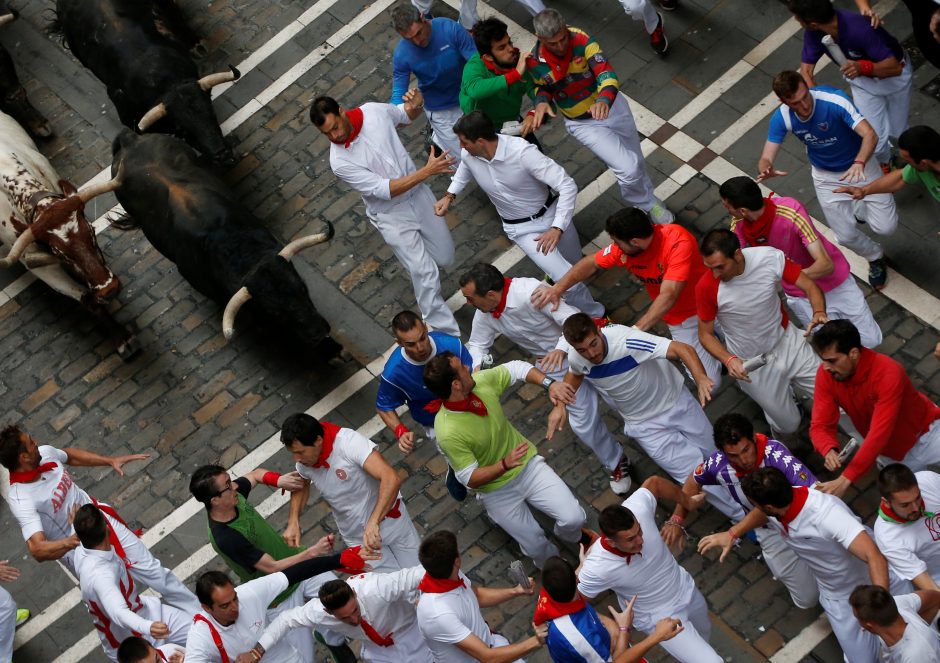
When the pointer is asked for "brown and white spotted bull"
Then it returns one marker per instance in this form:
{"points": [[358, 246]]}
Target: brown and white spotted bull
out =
{"points": [[42, 221]]}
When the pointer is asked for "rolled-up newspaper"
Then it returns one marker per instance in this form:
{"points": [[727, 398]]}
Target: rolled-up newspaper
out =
{"points": [[834, 51]]}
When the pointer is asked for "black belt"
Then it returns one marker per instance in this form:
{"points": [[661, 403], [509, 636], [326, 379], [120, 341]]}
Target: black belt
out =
{"points": [[552, 197]]}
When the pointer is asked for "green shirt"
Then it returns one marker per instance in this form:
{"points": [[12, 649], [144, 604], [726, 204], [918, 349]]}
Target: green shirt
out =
{"points": [[467, 438], [482, 89], [912, 176]]}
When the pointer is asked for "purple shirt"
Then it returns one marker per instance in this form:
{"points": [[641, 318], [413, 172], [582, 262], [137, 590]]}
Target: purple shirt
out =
{"points": [[857, 39], [791, 231], [717, 471]]}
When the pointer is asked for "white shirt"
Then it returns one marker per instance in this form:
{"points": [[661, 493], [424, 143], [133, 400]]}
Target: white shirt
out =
{"points": [[537, 331], [345, 485], [912, 548], [517, 180], [661, 586], [386, 602], [375, 157], [254, 597], [821, 535], [920, 642], [634, 374], [749, 309], [448, 618], [113, 599]]}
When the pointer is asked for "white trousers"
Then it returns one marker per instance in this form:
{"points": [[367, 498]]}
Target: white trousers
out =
{"points": [[178, 621], [615, 142], [687, 332], [642, 10], [409, 647], [7, 625], [926, 451], [788, 568], [421, 241], [844, 302], [400, 542], [468, 9], [858, 645], [557, 263], [791, 367], [588, 425], [886, 104], [678, 440], [147, 569], [878, 210], [539, 487], [690, 646], [442, 129]]}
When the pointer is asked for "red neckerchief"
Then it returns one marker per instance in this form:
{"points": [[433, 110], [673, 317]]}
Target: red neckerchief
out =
{"points": [[161, 654], [216, 638], [430, 585], [31, 475], [498, 311], [471, 403], [619, 553], [329, 438], [548, 608], [374, 636], [760, 441], [885, 512], [495, 68], [756, 233], [800, 494], [558, 64], [354, 115]]}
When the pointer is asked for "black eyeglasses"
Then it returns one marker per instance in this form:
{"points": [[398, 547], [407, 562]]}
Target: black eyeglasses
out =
{"points": [[225, 489]]}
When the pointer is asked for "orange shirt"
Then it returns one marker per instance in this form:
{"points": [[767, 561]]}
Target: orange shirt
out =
{"points": [[672, 256]]}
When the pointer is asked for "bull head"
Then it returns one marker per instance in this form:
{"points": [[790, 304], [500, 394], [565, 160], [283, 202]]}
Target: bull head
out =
{"points": [[189, 109], [241, 297], [60, 223]]}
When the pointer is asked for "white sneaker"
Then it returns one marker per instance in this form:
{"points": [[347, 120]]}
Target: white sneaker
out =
{"points": [[620, 480], [660, 214]]}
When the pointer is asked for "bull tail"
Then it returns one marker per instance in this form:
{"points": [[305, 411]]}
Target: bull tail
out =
{"points": [[124, 221]]}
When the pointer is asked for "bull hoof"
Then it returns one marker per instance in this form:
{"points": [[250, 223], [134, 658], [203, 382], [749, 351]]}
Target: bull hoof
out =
{"points": [[199, 50], [129, 349], [41, 130]]}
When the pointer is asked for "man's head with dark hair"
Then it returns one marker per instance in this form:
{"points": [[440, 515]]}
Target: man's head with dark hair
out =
{"points": [[721, 251], [330, 119], [874, 608], [920, 145], [741, 195], [898, 485], [812, 14], [630, 229], [734, 437], [494, 44], [482, 286], [205, 482], [559, 580], [582, 333], [439, 555], [769, 490], [793, 92], [90, 526], [134, 649], [302, 436], [621, 529], [839, 346], [446, 376], [477, 134], [216, 593], [411, 24], [411, 333], [339, 600], [13, 442]]}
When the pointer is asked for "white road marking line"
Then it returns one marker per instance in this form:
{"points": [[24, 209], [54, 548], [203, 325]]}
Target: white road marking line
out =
{"points": [[805, 641]]}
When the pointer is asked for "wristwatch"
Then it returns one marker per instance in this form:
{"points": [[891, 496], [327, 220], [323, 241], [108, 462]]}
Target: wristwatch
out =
{"points": [[547, 382]]}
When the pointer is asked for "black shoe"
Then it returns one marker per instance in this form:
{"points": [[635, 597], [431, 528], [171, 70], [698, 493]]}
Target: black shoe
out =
{"points": [[877, 274], [456, 489]]}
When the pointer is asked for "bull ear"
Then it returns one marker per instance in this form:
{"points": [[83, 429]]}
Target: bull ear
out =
{"points": [[67, 187]]}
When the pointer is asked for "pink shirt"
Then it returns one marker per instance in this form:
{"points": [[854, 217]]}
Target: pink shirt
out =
{"points": [[791, 230]]}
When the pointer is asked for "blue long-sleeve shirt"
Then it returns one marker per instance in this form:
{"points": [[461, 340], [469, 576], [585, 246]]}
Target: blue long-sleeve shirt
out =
{"points": [[438, 66]]}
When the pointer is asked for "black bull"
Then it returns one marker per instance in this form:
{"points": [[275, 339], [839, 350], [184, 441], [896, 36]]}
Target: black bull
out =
{"points": [[151, 79], [13, 98], [193, 218]]}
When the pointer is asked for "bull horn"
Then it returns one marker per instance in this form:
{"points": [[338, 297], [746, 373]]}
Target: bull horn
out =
{"points": [[209, 81], [19, 246], [231, 310], [301, 243], [7, 18], [95, 190], [39, 259], [150, 117]]}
